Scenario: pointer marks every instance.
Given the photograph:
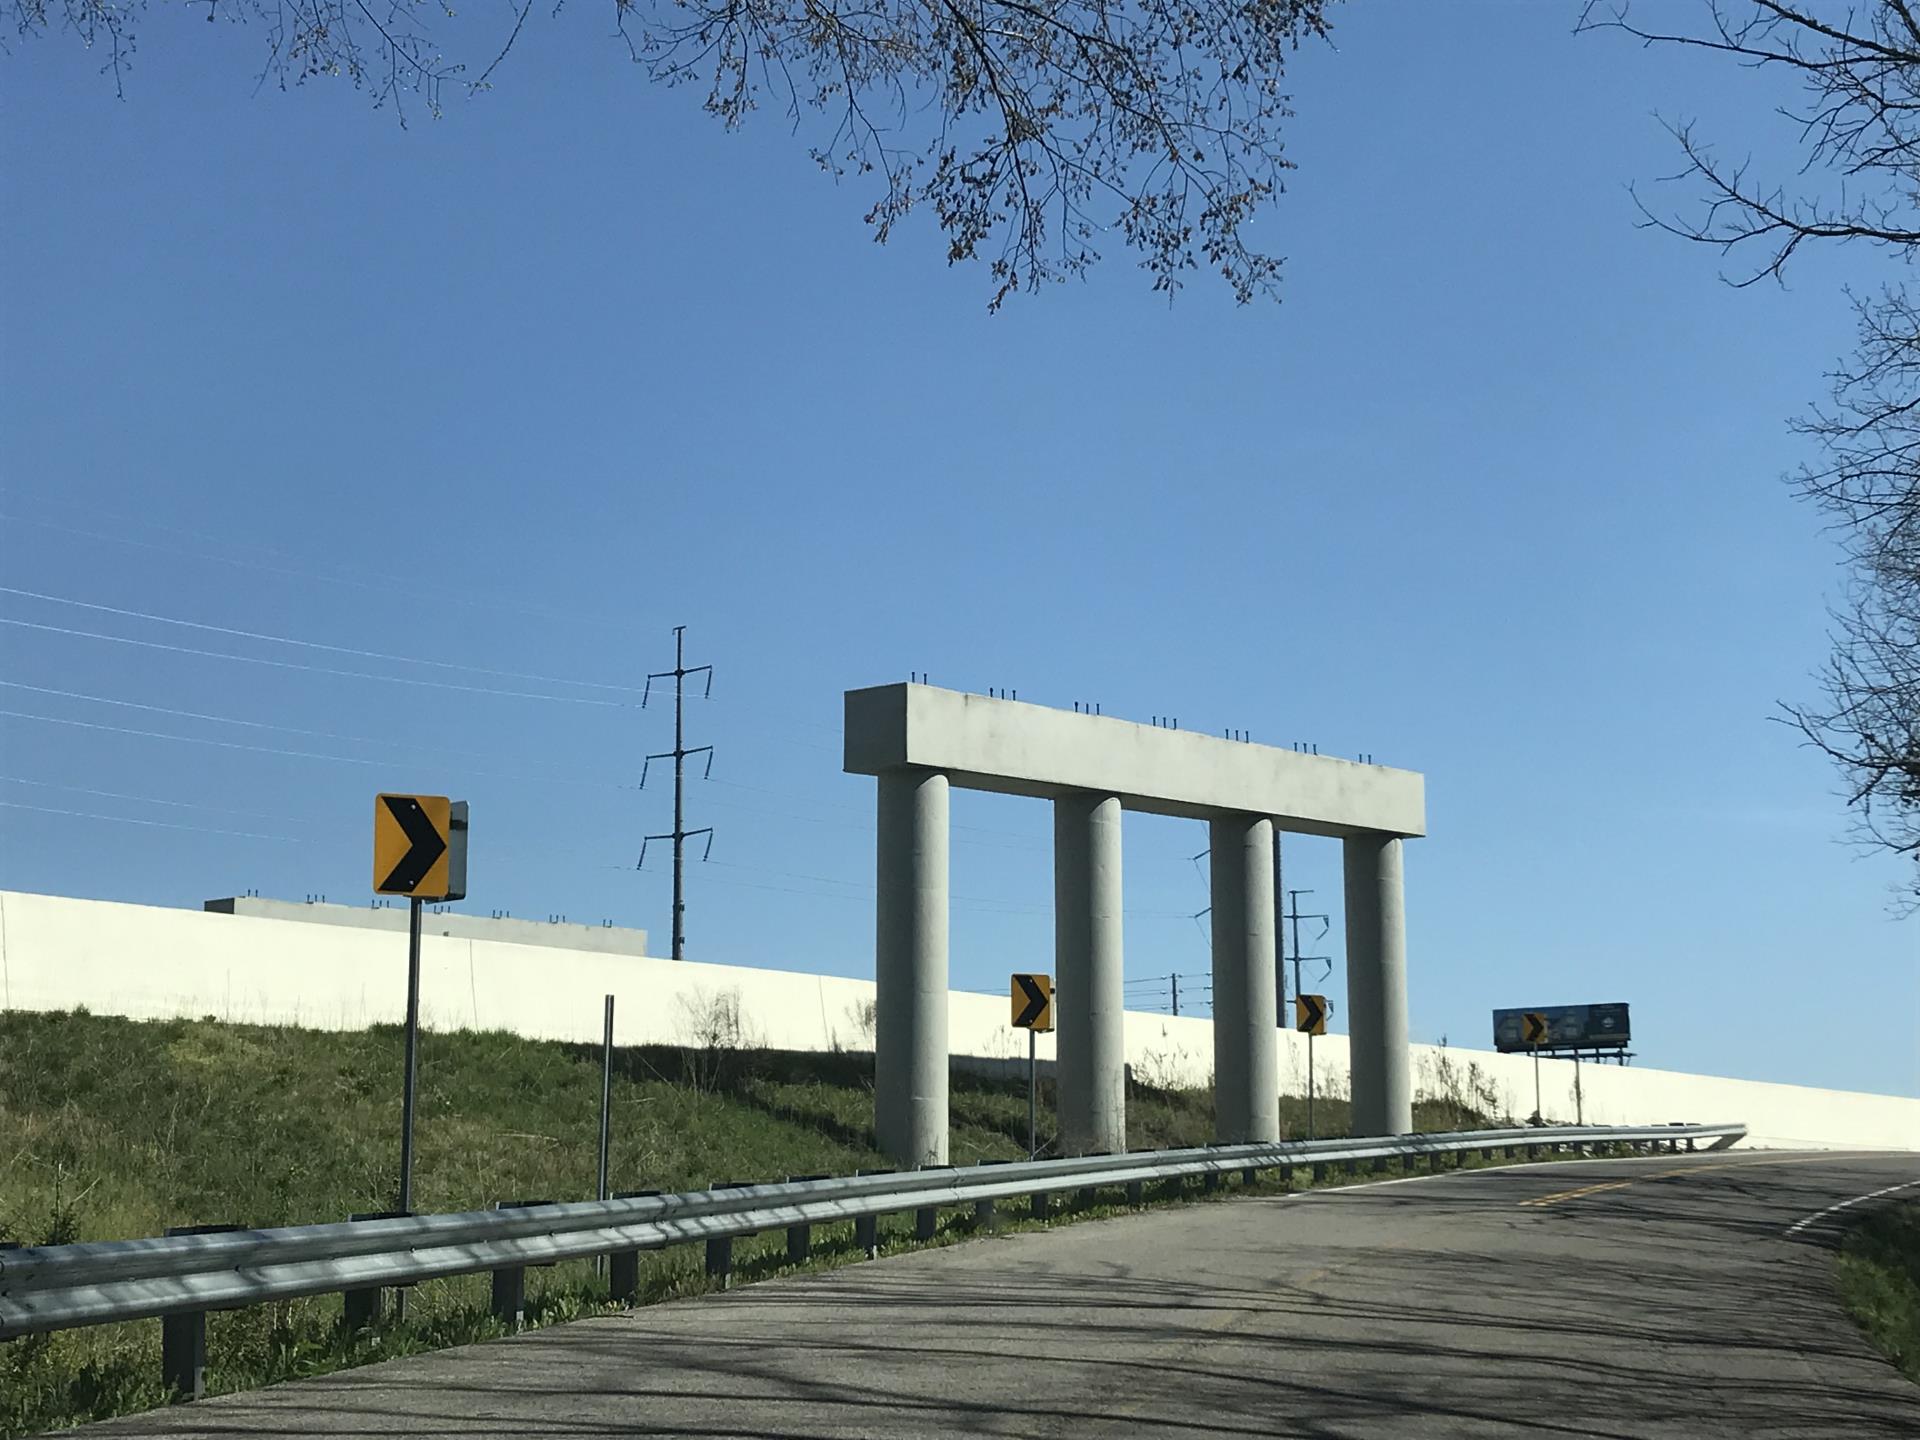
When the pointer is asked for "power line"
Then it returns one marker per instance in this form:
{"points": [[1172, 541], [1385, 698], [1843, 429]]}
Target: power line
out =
{"points": [[137, 799], [252, 724], [310, 644], [158, 824], [314, 669], [383, 586], [294, 754]]}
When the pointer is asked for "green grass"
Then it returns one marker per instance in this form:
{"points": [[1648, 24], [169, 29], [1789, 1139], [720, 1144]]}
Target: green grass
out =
{"points": [[115, 1129], [1879, 1271]]}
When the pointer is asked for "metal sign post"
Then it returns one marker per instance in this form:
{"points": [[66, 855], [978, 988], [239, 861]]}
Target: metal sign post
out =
{"points": [[606, 1097], [412, 1081], [1033, 1012], [419, 851], [1309, 1085], [1535, 1030], [606, 1117], [1310, 1016], [1033, 1093]]}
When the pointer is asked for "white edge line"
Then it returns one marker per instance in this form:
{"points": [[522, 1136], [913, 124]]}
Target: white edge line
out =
{"points": [[1818, 1215]]}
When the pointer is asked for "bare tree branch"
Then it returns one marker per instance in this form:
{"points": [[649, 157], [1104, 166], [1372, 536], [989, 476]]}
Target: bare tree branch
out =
{"points": [[1861, 71], [1029, 129]]}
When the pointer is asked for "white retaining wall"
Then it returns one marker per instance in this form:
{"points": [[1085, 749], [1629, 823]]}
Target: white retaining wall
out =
{"points": [[147, 962]]}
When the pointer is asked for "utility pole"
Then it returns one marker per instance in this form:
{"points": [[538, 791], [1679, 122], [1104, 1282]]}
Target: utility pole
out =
{"points": [[680, 834]]}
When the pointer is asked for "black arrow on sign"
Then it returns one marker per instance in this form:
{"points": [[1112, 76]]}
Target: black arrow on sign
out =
{"points": [[427, 844], [1313, 1014], [1036, 1001]]}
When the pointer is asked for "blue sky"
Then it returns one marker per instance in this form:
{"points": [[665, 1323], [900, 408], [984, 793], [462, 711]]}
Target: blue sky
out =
{"points": [[1493, 495]]}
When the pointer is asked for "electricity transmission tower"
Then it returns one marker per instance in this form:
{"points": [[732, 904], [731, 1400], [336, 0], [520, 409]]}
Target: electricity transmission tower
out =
{"points": [[1294, 915], [680, 834]]}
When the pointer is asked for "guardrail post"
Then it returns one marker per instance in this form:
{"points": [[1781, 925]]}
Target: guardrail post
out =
{"points": [[1250, 1175], [1379, 1166], [183, 1354], [510, 1296], [926, 1219], [1689, 1145], [866, 1228], [1038, 1204], [1319, 1172], [360, 1309], [800, 1237], [1212, 1181], [183, 1337], [1286, 1177], [510, 1282], [720, 1259], [1487, 1153], [1533, 1152], [982, 1214], [1136, 1193], [623, 1266]]}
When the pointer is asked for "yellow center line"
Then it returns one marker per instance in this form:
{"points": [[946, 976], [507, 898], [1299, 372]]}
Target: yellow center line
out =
{"points": [[1541, 1201]]}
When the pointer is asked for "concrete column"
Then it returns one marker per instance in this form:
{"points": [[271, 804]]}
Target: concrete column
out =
{"points": [[910, 969], [1091, 1008], [1246, 1047], [1377, 986]]}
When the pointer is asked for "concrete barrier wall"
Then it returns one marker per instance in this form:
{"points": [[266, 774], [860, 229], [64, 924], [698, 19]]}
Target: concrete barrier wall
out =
{"points": [[147, 962]]}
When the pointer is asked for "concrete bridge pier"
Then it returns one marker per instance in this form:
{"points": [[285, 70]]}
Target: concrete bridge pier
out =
{"points": [[1090, 1011], [1246, 1044], [910, 968], [1377, 985]]}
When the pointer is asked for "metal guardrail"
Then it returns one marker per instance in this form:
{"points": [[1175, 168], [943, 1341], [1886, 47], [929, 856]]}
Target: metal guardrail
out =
{"points": [[183, 1276]]}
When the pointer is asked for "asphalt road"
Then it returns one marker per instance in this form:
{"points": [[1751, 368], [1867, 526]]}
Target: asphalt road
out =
{"points": [[1657, 1297]]}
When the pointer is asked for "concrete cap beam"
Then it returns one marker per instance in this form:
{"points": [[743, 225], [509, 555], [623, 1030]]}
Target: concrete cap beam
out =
{"points": [[1009, 746]]}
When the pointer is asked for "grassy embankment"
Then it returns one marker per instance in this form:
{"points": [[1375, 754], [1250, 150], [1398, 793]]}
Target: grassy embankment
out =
{"points": [[1880, 1280], [112, 1129]]}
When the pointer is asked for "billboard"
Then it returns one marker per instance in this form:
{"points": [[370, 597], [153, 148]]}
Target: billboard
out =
{"points": [[1569, 1027]]}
